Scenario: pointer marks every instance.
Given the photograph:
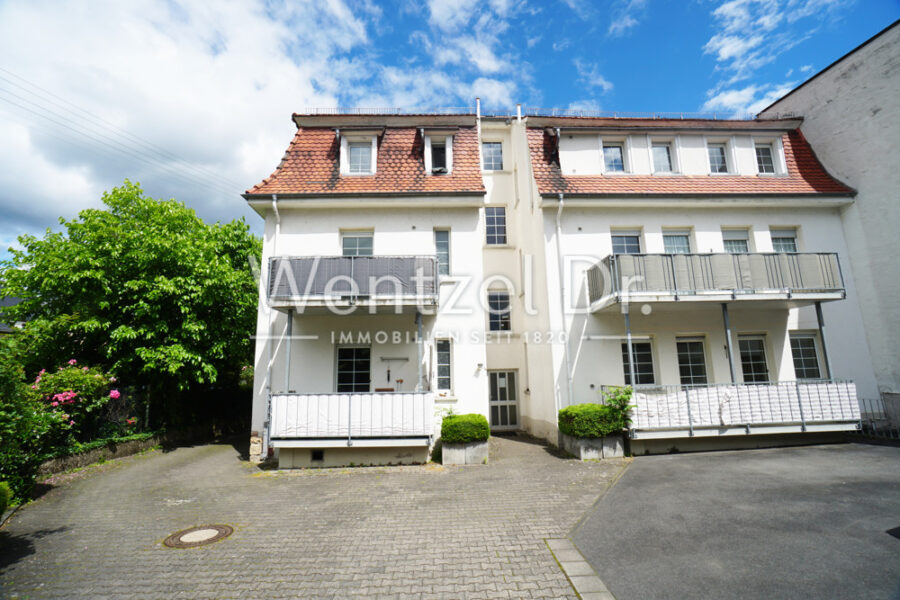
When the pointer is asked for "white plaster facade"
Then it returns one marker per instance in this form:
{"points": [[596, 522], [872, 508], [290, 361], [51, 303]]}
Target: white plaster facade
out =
{"points": [[849, 113]]}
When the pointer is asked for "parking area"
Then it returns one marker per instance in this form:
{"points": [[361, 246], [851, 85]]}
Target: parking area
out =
{"points": [[392, 532], [807, 522]]}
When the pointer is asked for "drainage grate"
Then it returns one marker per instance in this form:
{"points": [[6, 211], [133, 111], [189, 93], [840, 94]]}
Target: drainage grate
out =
{"points": [[198, 536]]}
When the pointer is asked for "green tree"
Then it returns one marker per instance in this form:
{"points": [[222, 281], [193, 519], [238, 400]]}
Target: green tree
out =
{"points": [[144, 289]]}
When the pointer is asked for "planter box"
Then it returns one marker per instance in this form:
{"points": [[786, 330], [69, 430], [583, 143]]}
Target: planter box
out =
{"points": [[473, 453], [611, 446]]}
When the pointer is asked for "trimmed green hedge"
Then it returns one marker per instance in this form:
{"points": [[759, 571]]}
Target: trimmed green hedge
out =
{"points": [[5, 496], [462, 429], [597, 420]]}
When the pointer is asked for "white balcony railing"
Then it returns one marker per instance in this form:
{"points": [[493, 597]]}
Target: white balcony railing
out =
{"points": [[728, 409], [376, 419]]}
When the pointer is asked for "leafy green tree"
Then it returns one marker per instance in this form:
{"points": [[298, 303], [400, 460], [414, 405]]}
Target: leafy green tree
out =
{"points": [[144, 289]]}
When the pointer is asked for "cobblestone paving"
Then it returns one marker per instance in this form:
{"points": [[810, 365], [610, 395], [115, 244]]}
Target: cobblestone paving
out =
{"points": [[392, 532]]}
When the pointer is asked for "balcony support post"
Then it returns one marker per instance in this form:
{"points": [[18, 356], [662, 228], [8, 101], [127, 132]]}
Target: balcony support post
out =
{"points": [[821, 320], [289, 333], [420, 353], [728, 347], [629, 347]]}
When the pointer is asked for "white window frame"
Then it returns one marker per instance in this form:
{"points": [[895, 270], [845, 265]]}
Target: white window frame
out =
{"points": [[784, 232], [487, 241], [654, 371], [778, 159], [679, 232], [762, 338], [357, 233], [728, 154], [449, 251], [809, 335], [502, 156], [625, 145], [501, 317], [438, 363], [736, 233], [673, 162], [344, 158], [689, 339], [627, 232], [448, 144]]}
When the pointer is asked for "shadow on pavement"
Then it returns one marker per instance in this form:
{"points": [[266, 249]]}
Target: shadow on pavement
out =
{"points": [[14, 548]]}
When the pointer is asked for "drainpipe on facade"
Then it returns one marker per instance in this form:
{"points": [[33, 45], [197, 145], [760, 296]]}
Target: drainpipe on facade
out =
{"points": [[270, 332], [562, 302]]}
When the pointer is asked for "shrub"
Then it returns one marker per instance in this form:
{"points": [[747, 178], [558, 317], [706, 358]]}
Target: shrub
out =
{"points": [[5, 497], [462, 429], [597, 420], [77, 394]]}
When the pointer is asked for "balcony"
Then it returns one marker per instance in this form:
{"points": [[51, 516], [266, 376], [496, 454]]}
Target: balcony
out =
{"points": [[349, 281], [343, 420], [788, 279], [670, 411]]}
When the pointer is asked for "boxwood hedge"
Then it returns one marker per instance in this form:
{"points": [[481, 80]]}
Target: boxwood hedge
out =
{"points": [[462, 429], [597, 420]]}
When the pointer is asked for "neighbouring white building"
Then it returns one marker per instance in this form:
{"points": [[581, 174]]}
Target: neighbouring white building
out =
{"points": [[417, 264], [851, 116]]}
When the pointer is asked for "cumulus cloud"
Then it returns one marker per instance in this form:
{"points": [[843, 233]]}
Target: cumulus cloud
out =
{"points": [[589, 74], [748, 100], [625, 16]]}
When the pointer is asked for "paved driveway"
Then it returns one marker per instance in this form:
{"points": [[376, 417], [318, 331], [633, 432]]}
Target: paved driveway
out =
{"points": [[416, 532], [781, 523]]}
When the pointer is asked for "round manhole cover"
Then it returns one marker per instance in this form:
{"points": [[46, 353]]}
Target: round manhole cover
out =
{"points": [[198, 536]]}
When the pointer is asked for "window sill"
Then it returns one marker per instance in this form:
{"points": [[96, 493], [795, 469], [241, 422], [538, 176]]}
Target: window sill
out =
{"points": [[498, 246], [728, 174], [446, 398], [767, 175], [667, 174], [442, 279], [496, 172], [357, 174]]}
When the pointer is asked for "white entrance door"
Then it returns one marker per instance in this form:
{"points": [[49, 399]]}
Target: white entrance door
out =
{"points": [[504, 406]]}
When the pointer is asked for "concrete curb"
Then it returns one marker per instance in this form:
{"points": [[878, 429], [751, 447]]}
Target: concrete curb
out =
{"points": [[585, 581]]}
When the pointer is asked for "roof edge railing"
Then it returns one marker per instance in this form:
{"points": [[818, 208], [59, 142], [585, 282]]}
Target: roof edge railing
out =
{"points": [[533, 111]]}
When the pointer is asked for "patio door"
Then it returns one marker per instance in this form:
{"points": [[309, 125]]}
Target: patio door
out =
{"points": [[503, 402], [353, 369]]}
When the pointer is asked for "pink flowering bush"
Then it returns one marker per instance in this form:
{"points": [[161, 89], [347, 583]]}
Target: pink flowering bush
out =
{"points": [[75, 396]]}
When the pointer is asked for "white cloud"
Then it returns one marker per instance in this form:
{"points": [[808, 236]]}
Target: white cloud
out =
{"points": [[748, 100], [450, 15], [625, 16], [589, 74], [586, 106]]}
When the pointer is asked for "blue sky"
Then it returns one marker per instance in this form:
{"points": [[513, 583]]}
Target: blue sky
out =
{"points": [[194, 101]]}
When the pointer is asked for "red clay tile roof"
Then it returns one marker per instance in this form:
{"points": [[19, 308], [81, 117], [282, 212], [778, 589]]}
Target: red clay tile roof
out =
{"points": [[805, 176], [310, 166]]}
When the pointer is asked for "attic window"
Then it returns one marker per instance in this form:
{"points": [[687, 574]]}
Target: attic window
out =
{"points": [[359, 153], [438, 154]]}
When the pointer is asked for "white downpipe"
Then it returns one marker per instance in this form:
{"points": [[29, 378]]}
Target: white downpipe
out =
{"points": [[562, 301], [271, 333]]}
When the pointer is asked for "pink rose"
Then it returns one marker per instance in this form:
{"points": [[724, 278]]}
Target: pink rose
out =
{"points": [[114, 394], [42, 372], [34, 387], [72, 361], [54, 404]]}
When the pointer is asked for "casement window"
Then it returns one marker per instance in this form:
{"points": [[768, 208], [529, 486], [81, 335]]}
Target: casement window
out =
{"points": [[662, 157], [443, 365], [492, 155], [691, 361], [438, 154], [626, 242], [753, 358], [677, 242], [718, 163], [442, 250], [498, 311], [643, 362], [495, 225], [784, 240], [353, 369], [360, 158], [613, 158], [356, 243], [736, 241], [765, 163], [806, 356]]}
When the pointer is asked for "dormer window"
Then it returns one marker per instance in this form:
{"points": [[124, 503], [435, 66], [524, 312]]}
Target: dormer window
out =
{"points": [[438, 154], [613, 158], [718, 162], [359, 153]]}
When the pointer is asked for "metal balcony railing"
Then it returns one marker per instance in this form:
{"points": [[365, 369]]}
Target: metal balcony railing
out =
{"points": [[681, 275], [412, 278]]}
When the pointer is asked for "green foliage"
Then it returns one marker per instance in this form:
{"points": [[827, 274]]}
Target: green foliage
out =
{"points": [[5, 496], [80, 448], [78, 395], [462, 429], [597, 420], [27, 429], [143, 288]]}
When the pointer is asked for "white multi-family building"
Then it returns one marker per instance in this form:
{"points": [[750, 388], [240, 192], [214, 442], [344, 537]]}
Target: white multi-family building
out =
{"points": [[418, 264]]}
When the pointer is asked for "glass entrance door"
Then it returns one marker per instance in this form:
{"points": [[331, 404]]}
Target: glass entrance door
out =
{"points": [[504, 405]]}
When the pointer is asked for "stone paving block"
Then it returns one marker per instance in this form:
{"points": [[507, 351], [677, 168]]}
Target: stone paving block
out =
{"points": [[578, 567], [588, 583]]}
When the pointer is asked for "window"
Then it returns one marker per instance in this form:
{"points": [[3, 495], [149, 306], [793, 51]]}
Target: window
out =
{"points": [[498, 311], [626, 242], [356, 244], [806, 359], [717, 162], [353, 373], [643, 362], [442, 250], [764, 162], [784, 240], [753, 359], [677, 242], [495, 225], [662, 158], [438, 154], [492, 153], [443, 364], [736, 241], [360, 157], [613, 161], [691, 361]]}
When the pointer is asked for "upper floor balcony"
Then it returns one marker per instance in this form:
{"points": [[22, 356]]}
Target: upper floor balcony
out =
{"points": [[343, 282], [781, 279]]}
